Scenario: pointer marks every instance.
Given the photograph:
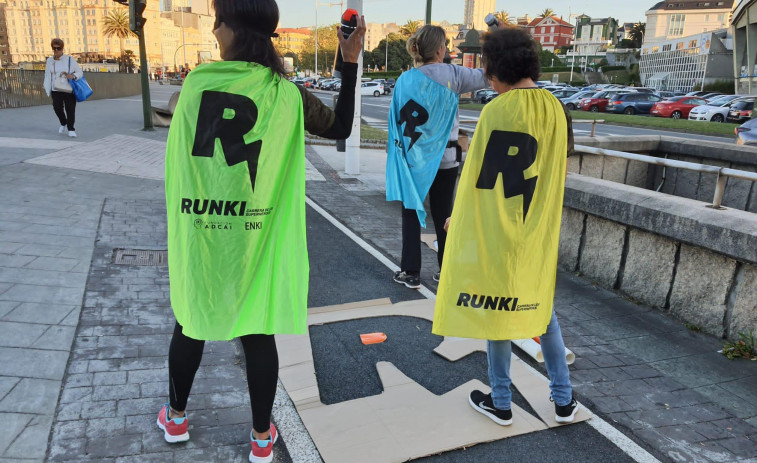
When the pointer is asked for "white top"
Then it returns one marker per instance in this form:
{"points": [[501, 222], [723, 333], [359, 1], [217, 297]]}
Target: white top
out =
{"points": [[54, 67]]}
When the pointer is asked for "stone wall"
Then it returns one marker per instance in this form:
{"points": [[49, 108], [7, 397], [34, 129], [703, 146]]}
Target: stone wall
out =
{"points": [[668, 252], [21, 88], [739, 194]]}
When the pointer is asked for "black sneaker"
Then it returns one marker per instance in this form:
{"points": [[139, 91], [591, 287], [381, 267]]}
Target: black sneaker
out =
{"points": [[436, 276], [483, 403], [411, 281], [566, 413]]}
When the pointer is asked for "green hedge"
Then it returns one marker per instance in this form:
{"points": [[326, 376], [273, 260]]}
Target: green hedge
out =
{"points": [[382, 75], [613, 68], [724, 86], [557, 69]]}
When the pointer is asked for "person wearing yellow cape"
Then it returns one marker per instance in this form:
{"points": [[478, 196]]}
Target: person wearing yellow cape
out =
{"points": [[235, 202], [498, 277]]}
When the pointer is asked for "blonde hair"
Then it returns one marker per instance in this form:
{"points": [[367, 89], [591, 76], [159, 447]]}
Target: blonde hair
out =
{"points": [[424, 44]]}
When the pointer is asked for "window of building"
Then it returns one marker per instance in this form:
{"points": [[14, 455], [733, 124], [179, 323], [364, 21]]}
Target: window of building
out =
{"points": [[676, 24], [721, 18]]}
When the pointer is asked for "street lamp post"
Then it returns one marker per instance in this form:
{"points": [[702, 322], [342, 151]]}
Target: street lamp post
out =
{"points": [[386, 59], [316, 27]]}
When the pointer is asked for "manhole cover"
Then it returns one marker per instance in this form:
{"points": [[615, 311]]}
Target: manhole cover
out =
{"points": [[140, 257]]}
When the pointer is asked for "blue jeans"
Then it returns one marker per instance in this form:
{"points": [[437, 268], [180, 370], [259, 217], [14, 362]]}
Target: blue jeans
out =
{"points": [[553, 348]]}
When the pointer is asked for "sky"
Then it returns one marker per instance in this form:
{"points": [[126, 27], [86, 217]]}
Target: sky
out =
{"points": [[301, 13]]}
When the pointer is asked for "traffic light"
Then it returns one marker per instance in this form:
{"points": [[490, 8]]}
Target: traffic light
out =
{"points": [[136, 20], [136, 8]]}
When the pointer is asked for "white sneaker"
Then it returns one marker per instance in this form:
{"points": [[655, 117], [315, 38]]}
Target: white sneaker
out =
{"points": [[62, 129], [72, 134]]}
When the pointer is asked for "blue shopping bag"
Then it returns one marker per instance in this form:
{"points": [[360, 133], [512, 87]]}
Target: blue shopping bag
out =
{"points": [[81, 88]]}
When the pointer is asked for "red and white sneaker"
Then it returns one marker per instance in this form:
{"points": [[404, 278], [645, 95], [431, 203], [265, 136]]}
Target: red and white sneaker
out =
{"points": [[175, 429], [262, 450]]}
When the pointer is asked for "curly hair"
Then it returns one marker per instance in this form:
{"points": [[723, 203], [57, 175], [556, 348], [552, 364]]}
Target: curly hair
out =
{"points": [[510, 55]]}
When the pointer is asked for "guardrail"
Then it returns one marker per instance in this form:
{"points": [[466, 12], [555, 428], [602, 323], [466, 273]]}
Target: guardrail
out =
{"points": [[723, 173]]}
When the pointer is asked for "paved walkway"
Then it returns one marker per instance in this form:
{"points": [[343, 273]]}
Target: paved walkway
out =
{"points": [[83, 341]]}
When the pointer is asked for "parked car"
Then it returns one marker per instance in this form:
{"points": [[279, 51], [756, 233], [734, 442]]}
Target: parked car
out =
{"points": [[309, 82], [487, 96], [697, 93], [711, 96], [571, 102], [667, 94], [598, 101], [565, 92], [740, 111], [746, 133], [632, 103], [372, 88], [677, 107], [390, 82], [478, 93], [387, 89], [644, 89], [717, 109]]}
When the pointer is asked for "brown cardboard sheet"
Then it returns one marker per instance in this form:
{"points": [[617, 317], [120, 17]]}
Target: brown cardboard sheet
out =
{"points": [[429, 239], [416, 421]]}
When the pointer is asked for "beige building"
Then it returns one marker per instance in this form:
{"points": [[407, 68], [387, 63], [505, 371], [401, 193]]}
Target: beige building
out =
{"points": [[375, 33], [669, 20], [291, 40], [5, 57], [32, 24], [476, 11]]}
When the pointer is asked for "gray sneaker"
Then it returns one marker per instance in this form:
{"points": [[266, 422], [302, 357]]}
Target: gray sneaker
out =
{"points": [[409, 280]]}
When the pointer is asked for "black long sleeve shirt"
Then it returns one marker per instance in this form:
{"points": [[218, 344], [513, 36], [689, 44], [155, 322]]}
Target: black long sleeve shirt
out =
{"points": [[333, 124]]}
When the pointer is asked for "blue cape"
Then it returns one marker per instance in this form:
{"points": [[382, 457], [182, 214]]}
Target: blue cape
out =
{"points": [[421, 117]]}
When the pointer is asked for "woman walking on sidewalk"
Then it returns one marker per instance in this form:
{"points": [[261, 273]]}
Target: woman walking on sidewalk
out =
{"points": [[423, 157], [235, 197], [59, 68]]}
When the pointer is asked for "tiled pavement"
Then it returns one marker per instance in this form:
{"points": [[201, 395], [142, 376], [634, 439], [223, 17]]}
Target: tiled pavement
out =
{"points": [[637, 367]]}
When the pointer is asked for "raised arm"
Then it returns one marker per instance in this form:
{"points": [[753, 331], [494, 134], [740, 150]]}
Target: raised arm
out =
{"points": [[337, 124]]}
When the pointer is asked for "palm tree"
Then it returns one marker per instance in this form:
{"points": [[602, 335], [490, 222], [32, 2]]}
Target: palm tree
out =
{"points": [[637, 34], [116, 24], [410, 28], [503, 16], [547, 12]]}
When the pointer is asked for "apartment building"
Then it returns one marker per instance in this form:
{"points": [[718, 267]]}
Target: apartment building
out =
{"points": [[5, 57], [672, 19], [594, 35], [291, 40], [375, 33], [475, 12]]}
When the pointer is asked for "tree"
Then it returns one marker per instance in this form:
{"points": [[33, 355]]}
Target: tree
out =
{"points": [[546, 12], [503, 16], [549, 59], [410, 28], [327, 43], [116, 24], [397, 57], [637, 34]]}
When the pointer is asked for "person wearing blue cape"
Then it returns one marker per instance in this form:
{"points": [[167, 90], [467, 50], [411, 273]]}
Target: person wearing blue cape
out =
{"points": [[422, 151]]}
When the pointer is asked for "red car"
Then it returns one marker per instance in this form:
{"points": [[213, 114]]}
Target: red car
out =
{"points": [[677, 107], [598, 101]]}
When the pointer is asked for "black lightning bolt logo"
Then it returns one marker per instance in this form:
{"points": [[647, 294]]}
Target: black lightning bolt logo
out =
{"points": [[413, 115]]}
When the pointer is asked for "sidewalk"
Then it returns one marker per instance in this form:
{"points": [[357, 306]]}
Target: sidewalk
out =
{"points": [[83, 341]]}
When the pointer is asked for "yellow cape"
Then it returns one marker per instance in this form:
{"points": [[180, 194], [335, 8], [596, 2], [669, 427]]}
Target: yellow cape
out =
{"points": [[500, 262]]}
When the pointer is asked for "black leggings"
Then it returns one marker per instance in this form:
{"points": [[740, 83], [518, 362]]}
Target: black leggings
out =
{"points": [[440, 199], [63, 100], [262, 361]]}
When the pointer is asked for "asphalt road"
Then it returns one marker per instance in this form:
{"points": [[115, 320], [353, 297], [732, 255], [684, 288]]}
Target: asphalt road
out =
{"points": [[375, 111], [343, 272]]}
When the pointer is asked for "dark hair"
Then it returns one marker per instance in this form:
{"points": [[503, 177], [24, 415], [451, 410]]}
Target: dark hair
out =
{"points": [[510, 55], [57, 41], [253, 22]]}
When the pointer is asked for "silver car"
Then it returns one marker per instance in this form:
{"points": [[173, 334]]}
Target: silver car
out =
{"points": [[571, 102], [746, 133]]}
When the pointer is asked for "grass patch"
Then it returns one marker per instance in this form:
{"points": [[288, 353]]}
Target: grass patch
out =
{"points": [[707, 128], [372, 133]]}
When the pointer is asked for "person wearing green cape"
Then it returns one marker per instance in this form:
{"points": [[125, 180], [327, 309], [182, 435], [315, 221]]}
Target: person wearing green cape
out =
{"points": [[235, 202]]}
